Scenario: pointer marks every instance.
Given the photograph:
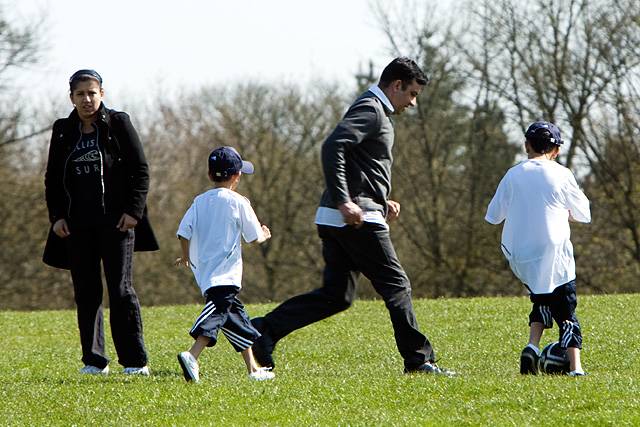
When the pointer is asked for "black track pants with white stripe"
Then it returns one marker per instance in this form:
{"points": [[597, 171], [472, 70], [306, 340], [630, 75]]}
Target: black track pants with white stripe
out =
{"points": [[224, 312], [88, 248], [560, 305]]}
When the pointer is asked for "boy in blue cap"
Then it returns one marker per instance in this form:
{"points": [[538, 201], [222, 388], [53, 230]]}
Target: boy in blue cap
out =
{"points": [[536, 199], [210, 236]]}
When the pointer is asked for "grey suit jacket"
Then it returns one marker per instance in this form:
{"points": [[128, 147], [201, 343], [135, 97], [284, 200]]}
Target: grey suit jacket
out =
{"points": [[356, 157]]}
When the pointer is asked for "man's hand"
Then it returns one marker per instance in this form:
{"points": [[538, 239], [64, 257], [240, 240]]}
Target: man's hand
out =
{"points": [[127, 222], [393, 211], [351, 213], [61, 228]]}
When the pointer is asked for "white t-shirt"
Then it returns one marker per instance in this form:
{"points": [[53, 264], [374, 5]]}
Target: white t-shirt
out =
{"points": [[535, 199], [213, 225]]}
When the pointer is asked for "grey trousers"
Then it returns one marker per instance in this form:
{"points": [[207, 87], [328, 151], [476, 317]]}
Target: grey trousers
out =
{"points": [[347, 252]]}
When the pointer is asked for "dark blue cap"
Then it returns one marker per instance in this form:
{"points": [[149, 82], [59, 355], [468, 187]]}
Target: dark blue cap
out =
{"points": [[553, 136], [85, 73], [226, 161]]}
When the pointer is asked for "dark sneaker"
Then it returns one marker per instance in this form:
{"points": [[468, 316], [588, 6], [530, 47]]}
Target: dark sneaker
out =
{"points": [[263, 347], [529, 361], [430, 368]]}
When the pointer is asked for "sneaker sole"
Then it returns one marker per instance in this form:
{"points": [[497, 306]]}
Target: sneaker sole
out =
{"points": [[138, 374], [185, 370], [261, 378]]}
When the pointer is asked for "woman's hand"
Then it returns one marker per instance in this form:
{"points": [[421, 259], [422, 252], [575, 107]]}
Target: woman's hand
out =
{"points": [[61, 228], [127, 222]]}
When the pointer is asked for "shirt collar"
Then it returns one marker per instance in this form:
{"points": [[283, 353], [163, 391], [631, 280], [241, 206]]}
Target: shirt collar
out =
{"points": [[375, 89]]}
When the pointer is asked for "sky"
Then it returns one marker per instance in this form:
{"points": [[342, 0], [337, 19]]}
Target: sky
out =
{"points": [[146, 47]]}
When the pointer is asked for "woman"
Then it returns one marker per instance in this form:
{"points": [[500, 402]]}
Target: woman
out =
{"points": [[96, 186]]}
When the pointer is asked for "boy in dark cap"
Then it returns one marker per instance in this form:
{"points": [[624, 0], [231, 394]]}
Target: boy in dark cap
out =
{"points": [[536, 199], [210, 235]]}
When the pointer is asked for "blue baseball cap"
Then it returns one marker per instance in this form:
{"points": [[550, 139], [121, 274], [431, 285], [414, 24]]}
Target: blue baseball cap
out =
{"points": [[226, 161], [93, 74], [554, 138]]}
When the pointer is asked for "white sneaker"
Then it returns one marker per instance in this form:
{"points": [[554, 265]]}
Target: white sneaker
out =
{"points": [[262, 374], [577, 373], [190, 367], [93, 370], [144, 371]]}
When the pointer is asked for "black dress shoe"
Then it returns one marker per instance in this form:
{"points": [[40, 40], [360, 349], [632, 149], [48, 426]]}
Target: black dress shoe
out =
{"points": [[263, 347]]}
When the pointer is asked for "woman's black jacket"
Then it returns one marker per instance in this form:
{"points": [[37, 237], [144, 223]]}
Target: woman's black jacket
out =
{"points": [[125, 178]]}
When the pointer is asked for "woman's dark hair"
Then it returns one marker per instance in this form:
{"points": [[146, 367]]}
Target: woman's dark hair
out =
{"points": [[404, 69], [83, 76], [541, 141]]}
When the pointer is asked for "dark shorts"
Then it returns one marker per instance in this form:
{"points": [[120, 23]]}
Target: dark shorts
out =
{"points": [[560, 305], [223, 311]]}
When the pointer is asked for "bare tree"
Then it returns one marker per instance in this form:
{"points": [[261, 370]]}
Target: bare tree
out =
{"points": [[613, 247], [553, 59], [576, 63], [450, 153], [20, 47], [23, 219]]}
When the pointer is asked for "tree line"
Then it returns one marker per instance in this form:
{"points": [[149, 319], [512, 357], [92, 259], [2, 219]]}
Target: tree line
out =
{"points": [[494, 68]]}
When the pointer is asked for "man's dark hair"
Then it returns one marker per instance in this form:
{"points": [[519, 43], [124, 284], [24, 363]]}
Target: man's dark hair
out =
{"points": [[404, 69], [540, 141]]}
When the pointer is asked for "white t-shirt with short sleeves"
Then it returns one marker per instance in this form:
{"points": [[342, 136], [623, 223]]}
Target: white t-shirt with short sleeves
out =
{"points": [[213, 225], [535, 199]]}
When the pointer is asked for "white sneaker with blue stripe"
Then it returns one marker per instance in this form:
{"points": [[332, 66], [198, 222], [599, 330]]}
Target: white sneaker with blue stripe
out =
{"points": [[94, 370], [143, 371], [262, 374], [190, 367]]}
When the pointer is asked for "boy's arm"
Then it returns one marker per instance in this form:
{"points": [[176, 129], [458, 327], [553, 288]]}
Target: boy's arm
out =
{"points": [[252, 230], [184, 234], [266, 234], [497, 209], [184, 259], [577, 203]]}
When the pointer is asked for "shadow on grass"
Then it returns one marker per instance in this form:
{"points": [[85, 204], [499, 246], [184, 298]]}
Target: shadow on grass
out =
{"points": [[112, 378]]}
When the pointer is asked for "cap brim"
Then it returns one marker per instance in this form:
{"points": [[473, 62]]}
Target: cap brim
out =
{"points": [[247, 167]]}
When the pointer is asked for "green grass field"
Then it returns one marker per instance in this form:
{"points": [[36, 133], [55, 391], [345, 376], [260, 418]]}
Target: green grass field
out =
{"points": [[341, 371]]}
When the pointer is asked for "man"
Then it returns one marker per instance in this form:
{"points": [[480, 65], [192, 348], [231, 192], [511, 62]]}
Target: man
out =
{"points": [[352, 223]]}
